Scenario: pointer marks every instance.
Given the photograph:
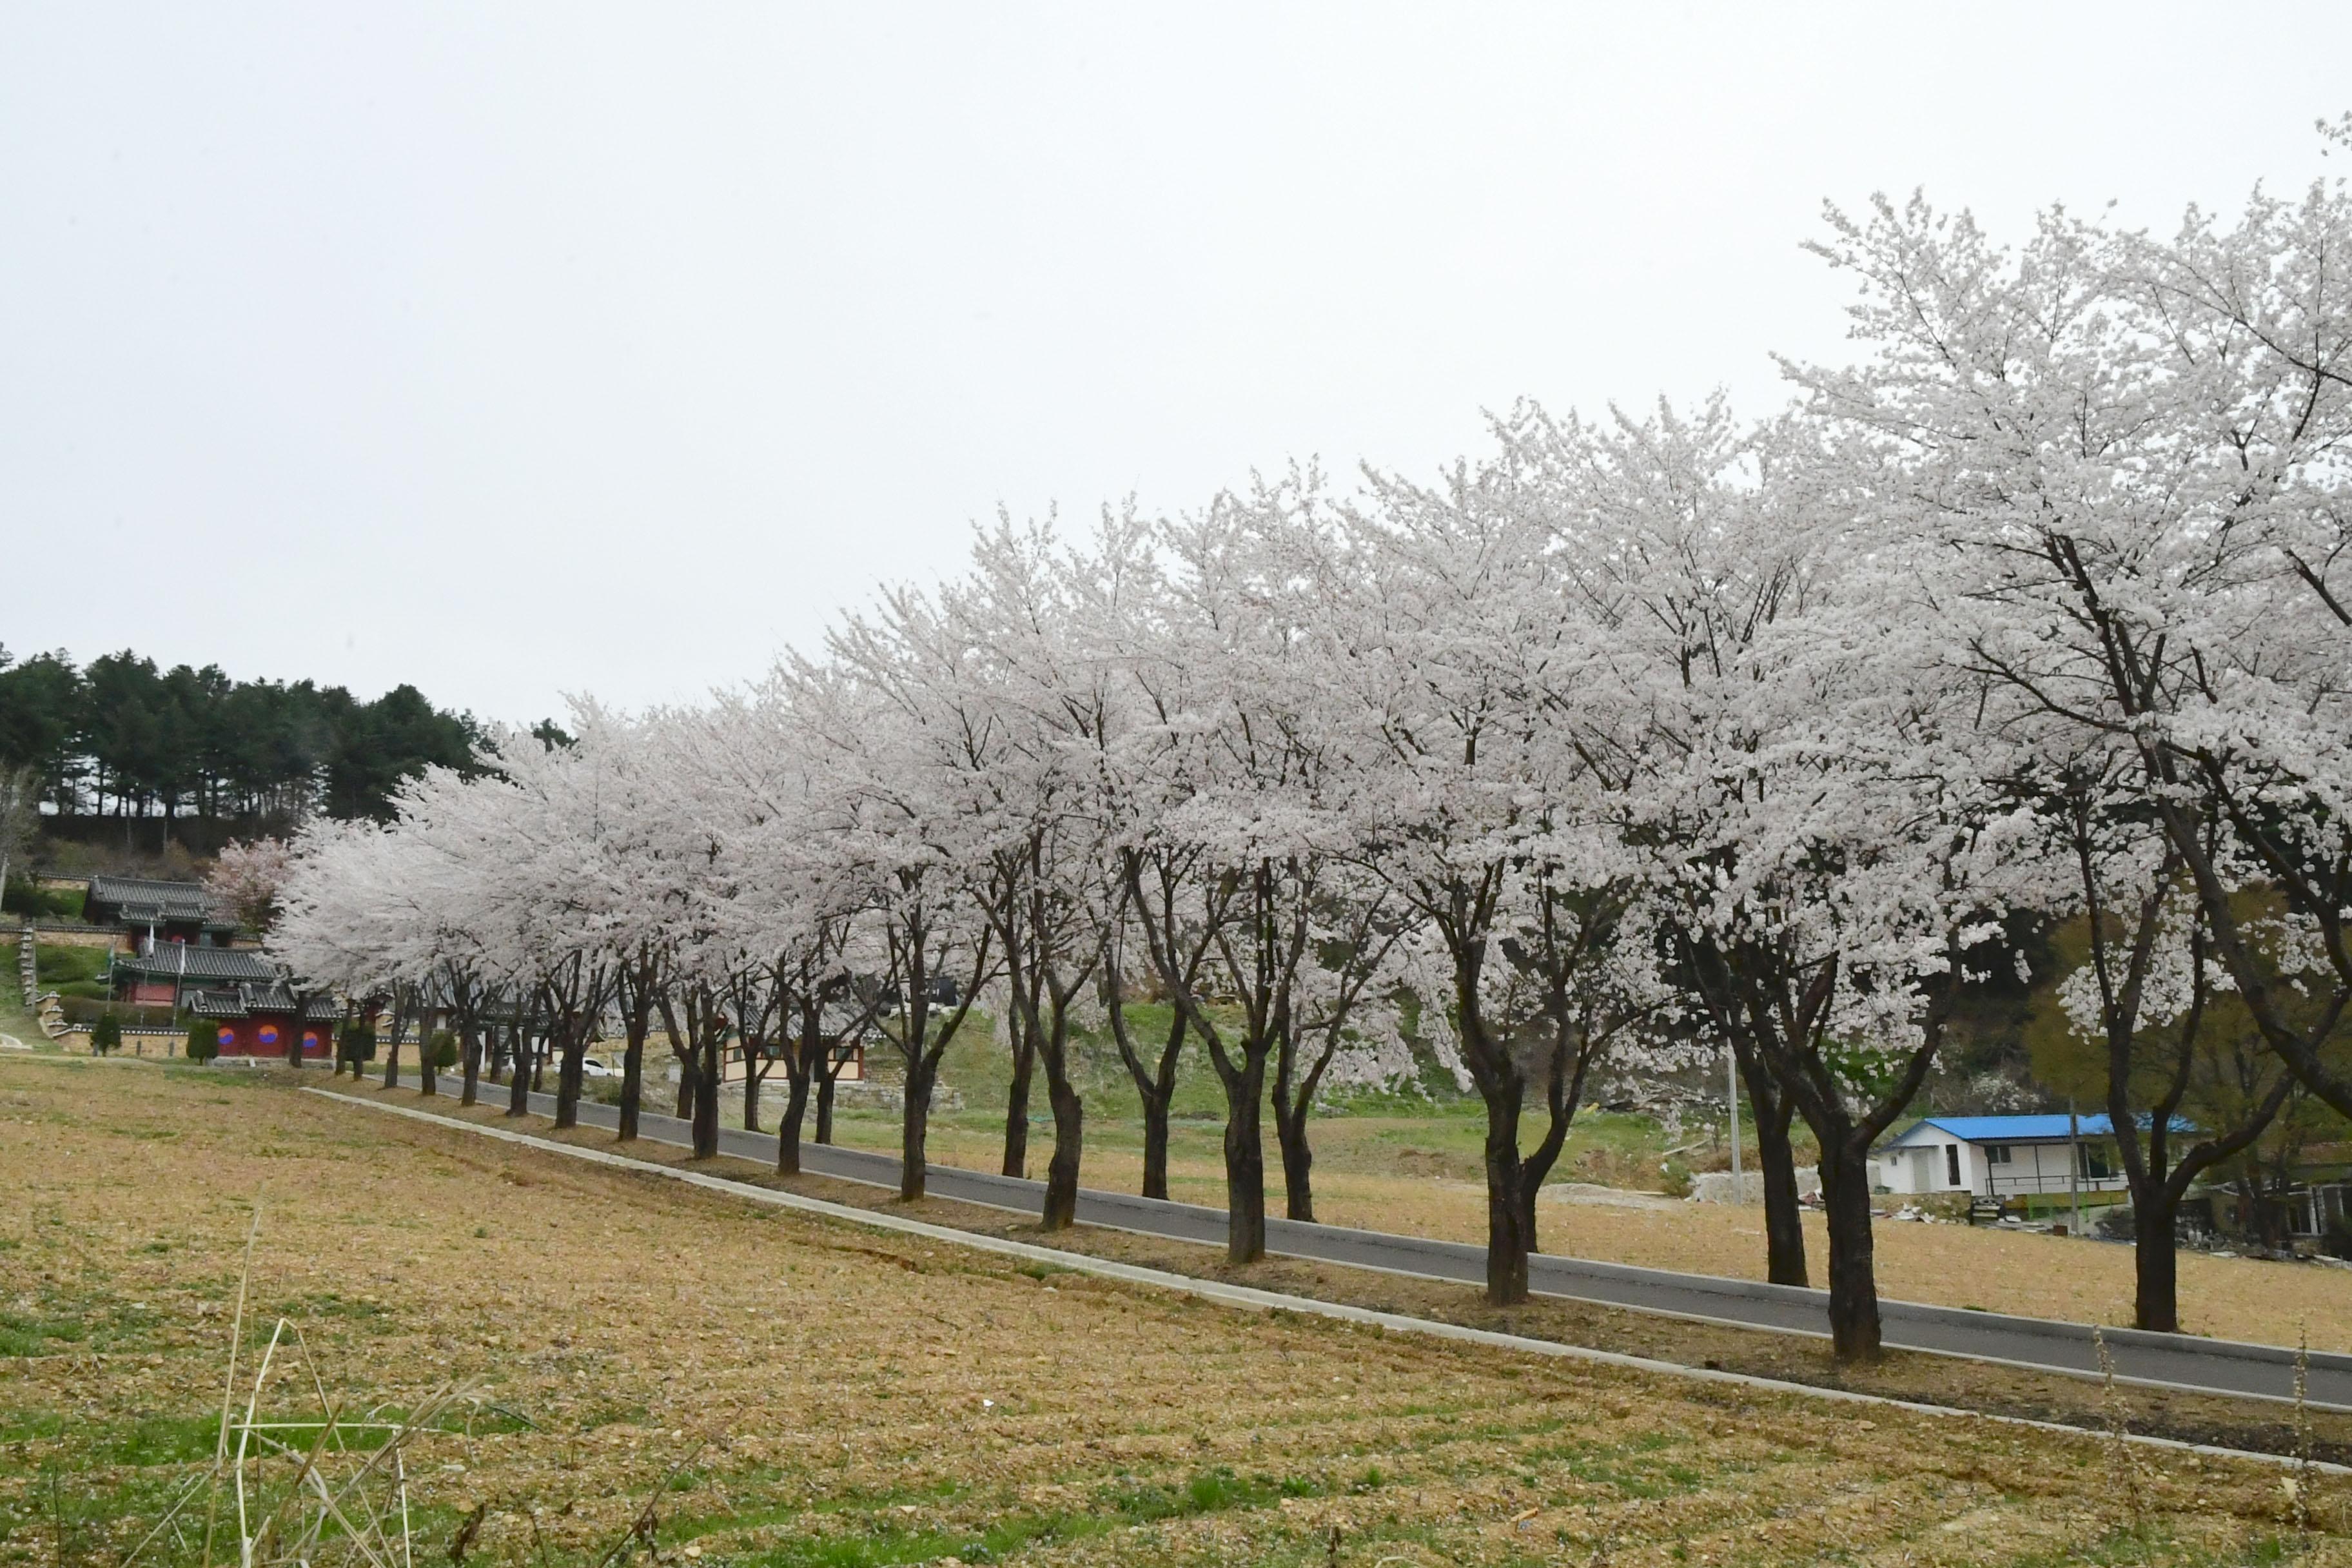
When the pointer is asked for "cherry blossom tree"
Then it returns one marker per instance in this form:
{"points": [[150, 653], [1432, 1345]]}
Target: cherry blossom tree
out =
{"points": [[248, 876]]}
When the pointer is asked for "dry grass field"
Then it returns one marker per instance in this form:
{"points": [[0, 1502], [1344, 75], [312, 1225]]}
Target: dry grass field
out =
{"points": [[839, 1397], [1368, 1172]]}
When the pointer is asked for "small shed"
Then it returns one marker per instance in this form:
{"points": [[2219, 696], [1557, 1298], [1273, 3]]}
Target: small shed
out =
{"points": [[1999, 1156]]}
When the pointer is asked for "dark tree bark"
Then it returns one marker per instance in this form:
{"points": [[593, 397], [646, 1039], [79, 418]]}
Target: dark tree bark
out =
{"points": [[469, 1042], [1854, 1278], [705, 1034], [804, 993], [1060, 1209], [1776, 1163], [788, 1130], [709, 1083], [2122, 951], [1787, 1008], [1048, 1032], [391, 1052], [915, 1127], [1154, 1076], [1711, 971], [518, 1073], [2156, 1267], [1244, 1076], [756, 992], [1261, 939], [1298, 1158], [428, 1077], [1155, 1086], [575, 993], [921, 1042], [683, 1056], [1306, 1048], [1016, 1103], [636, 985]]}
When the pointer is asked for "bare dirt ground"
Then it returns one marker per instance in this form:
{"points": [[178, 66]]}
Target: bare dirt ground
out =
{"points": [[1378, 1187], [852, 1397]]}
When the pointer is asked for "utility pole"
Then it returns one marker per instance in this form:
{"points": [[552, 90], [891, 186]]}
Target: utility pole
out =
{"points": [[1731, 1083], [2074, 1164]]}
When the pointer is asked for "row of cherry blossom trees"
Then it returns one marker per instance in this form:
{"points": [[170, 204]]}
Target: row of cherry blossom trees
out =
{"points": [[1632, 741]]}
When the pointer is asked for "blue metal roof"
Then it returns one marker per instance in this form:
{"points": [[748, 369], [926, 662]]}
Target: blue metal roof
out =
{"points": [[2009, 1129], [2021, 1128]]}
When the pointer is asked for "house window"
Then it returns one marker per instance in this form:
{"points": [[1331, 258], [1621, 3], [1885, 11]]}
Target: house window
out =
{"points": [[1997, 1153], [1952, 1165]]}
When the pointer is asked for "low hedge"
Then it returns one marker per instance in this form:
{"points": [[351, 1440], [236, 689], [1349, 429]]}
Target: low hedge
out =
{"points": [[57, 964], [23, 897]]}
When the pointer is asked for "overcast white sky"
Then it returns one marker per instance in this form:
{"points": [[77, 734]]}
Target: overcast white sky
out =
{"points": [[520, 350]]}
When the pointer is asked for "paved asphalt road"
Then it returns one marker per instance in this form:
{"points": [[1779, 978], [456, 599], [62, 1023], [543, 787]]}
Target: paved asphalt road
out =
{"points": [[2176, 1361]]}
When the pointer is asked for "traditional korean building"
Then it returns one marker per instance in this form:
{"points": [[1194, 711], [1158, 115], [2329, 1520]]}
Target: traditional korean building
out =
{"points": [[234, 992], [153, 913], [248, 1021]]}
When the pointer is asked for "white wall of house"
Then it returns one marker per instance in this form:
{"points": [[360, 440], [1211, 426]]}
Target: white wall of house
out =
{"points": [[1925, 1162]]}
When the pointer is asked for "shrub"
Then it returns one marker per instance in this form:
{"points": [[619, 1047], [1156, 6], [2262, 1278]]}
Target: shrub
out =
{"points": [[203, 1042], [57, 964], [24, 897], [106, 1034], [1674, 1179], [356, 1043], [445, 1050]]}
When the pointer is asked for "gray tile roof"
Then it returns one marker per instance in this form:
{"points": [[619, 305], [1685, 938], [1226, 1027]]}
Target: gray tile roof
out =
{"points": [[176, 961], [140, 901], [243, 1001]]}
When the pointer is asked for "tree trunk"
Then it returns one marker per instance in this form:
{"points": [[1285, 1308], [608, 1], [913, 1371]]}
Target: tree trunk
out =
{"points": [[2156, 1267], [1245, 1162], [1298, 1160], [519, 1076], [471, 1041], [633, 1080], [1507, 1243], [1853, 1278], [1061, 1207], [429, 1081], [567, 1076], [1016, 1103], [752, 1073], [685, 1076], [539, 1067], [1776, 1167], [914, 1127], [788, 1130], [824, 1109], [1155, 1147], [708, 1087]]}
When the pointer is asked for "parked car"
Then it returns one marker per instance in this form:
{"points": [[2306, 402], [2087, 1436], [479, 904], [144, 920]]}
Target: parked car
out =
{"points": [[591, 1068]]}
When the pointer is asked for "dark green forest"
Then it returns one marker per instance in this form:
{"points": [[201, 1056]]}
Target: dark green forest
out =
{"points": [[122, 738]]}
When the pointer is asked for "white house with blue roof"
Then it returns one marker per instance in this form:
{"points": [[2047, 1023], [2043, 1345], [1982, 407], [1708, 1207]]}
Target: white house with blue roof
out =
{"points": [[1999, 1156]]}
